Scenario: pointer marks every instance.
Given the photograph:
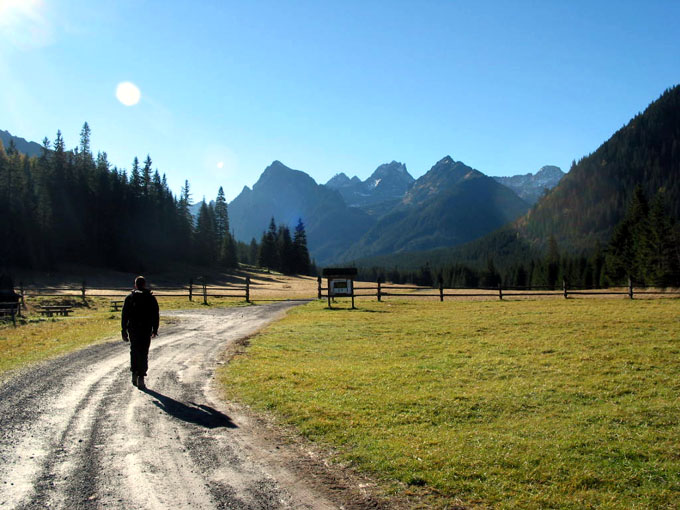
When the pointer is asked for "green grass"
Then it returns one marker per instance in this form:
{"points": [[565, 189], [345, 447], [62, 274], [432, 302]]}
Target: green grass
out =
{"points": [[524, 404], [37, 338]]}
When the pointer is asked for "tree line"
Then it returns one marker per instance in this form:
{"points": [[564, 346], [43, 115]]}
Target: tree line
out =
{"points": [[644, 247], [69, 206]]}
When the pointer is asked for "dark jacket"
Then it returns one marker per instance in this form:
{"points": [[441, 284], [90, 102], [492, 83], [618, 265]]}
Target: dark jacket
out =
{"points": [[140, 313]]}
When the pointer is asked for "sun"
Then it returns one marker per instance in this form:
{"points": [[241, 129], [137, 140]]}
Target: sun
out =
{"points": [[128, 93], [220, 164]]}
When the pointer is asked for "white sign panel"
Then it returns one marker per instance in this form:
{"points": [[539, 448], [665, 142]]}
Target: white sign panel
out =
{"points": [[341, 287]]}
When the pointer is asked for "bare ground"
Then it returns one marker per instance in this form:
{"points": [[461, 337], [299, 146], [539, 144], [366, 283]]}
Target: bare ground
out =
{"points": [[74, 432]]}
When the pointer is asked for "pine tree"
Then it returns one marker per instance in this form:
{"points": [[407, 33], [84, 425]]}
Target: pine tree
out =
{"points": [[268, 255], [221, 214], [285, 250], [302, 262], [253, 251], [206, 236], [626, 250], [229, 252], [145, 178], [136, 178], [660, 265]]}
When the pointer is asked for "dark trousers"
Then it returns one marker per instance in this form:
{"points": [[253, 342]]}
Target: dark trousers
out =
{"points": [[139, 353]]}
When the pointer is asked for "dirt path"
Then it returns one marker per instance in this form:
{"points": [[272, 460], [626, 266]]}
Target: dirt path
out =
{"points": [[74, 432]]}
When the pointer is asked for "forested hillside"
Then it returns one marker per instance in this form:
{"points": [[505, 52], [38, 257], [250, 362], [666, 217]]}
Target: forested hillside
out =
{"points": [[592, 198]]}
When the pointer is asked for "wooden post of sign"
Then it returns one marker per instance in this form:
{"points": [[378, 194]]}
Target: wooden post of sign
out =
{"points": [[564, 287], [247, 289], [630, 288], [191, 289], [318, 284], [379, 291], [500, 292]]}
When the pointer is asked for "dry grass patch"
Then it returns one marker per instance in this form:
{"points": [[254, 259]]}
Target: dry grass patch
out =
{"points": [[36, 338]]}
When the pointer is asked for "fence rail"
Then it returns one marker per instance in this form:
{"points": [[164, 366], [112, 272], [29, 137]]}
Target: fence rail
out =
{"points": [[249, 291], [381, 291]]}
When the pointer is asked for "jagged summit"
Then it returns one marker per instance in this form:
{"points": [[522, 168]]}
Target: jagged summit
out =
{"points": [[388, 182], [531, 187]]}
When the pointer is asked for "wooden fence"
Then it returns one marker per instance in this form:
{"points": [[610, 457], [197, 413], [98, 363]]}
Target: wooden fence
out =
{"points": [[250, 292], [192, 291], [382, 291]]}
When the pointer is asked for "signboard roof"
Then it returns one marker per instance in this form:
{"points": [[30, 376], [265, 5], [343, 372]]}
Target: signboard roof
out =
{"points": [[340, 272]]}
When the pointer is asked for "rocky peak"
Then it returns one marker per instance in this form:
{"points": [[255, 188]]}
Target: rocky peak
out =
{"points": [[531, 187]]}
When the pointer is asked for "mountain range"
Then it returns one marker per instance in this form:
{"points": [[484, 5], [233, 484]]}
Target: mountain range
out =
{"points": [[288, 195], [582, 211], [390, 212]]}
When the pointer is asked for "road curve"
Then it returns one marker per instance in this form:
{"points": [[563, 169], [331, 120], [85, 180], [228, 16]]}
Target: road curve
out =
{"points": [[74, 432]]}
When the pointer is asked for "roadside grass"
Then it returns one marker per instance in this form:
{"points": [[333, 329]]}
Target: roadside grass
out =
{"points": [[36, 338], [515, 404]]}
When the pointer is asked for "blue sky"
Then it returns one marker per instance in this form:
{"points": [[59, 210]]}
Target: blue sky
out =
{"points": [[327, 87]]}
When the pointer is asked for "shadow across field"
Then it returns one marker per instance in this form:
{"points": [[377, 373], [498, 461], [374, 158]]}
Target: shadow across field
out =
{"points": [[198, 414]]}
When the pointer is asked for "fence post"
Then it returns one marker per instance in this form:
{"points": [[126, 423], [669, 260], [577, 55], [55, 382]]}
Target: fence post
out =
{"points": [[630, 288], [379, 291], [441, 290], [318, 282], [21, 293], [191, 289], [205, 293], [564, 287], [247, 289], [500, 292], [83, 290]]}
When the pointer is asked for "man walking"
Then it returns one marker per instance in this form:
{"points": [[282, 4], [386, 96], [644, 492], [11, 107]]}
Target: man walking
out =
{"points": [[139, 323]]}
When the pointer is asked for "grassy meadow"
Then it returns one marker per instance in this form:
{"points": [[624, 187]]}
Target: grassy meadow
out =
{"points": [[513, 404], [36, 338]]}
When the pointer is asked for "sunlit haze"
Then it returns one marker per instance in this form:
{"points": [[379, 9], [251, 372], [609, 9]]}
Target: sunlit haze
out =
{"points": [[327, 87], [128, 93]]}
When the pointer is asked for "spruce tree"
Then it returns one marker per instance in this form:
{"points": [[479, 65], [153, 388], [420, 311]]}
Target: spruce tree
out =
{"points": [[136, 178], [302, 262], [145, 178], [285, 250], [221, 214], [206, 243], [268, 255]]}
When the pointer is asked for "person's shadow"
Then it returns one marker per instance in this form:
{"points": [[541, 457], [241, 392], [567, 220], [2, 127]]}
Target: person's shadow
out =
{"points": [[199, 414]]}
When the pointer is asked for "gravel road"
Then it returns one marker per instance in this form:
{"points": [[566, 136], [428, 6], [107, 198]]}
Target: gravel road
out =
{"points": [[74, 432]]}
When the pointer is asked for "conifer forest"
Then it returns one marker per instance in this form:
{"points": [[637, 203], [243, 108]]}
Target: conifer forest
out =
{"points": [[70, 206]]}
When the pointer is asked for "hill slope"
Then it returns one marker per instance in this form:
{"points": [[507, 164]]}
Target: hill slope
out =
{"points": [[592, 198], [29, 148]]}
